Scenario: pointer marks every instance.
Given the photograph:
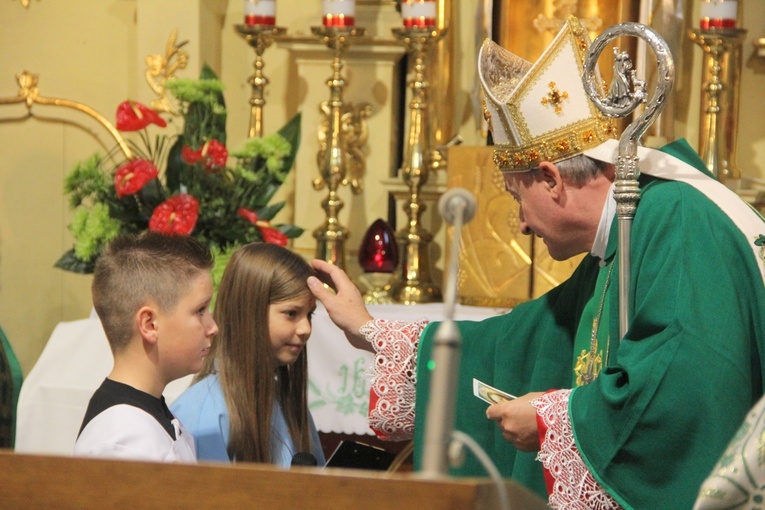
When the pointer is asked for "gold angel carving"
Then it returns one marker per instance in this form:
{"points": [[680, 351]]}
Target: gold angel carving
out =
{"points": [[160, 69]]}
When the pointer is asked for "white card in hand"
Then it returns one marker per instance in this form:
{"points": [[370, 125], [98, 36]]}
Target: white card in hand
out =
{"points": [[489, 394]]}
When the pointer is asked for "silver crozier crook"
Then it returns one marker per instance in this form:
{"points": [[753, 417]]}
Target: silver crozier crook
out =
{"points": [[620, 102]]}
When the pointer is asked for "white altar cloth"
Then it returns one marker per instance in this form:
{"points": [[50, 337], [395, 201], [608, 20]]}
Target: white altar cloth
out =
{"points": [[77, 358]]}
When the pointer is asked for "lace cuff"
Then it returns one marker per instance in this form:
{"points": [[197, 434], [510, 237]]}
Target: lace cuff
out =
{"points": [[393, 377], [574, 486]]}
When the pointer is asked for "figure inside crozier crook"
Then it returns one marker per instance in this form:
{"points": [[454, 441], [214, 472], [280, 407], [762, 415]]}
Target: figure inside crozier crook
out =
{"points": [[601, 420]]}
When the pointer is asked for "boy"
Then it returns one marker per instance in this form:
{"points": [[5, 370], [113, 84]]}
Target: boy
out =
{"points": [[152, 294]]}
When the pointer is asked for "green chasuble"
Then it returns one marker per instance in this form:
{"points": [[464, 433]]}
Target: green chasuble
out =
{"points": [[672, 393]]}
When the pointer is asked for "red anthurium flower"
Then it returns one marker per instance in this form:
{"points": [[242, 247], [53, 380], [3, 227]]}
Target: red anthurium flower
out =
{"points": [[176, 215], [131, 177], [248, 215], [270, 234], [133, 116], [189, 155], [213, 154]]}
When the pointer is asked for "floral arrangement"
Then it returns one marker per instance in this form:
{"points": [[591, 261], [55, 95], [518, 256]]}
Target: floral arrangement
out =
{"points": [[197, 194]]}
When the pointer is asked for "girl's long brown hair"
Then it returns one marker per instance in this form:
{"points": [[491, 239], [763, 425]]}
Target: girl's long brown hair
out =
{"points": [[258, 275]]}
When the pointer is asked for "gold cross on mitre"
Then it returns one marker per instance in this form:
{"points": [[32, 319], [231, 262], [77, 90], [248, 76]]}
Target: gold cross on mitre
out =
{"points": [[555, 97]]}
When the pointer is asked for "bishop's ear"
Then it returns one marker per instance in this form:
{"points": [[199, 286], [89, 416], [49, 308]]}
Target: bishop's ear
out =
{"points": [[550, 176]]}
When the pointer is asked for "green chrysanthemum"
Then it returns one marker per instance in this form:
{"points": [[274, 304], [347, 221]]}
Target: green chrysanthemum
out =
{"points": [[192, 91], [273, 150], [92, 230], [86, 179], [272, 146], [247, 174]]}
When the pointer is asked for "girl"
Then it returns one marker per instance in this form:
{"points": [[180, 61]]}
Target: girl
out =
{"points": [[249, 402]]}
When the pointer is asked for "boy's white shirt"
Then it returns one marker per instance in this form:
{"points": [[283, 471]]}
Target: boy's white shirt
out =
{"points": [[126, 432]]}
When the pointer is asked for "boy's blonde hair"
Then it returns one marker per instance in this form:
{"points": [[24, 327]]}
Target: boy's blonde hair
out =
{"points": [[143, 269]]}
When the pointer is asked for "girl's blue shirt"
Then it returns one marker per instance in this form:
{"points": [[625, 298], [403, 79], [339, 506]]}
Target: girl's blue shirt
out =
{"points": [[201, 408]]}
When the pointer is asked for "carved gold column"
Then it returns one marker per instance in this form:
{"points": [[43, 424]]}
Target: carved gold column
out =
{"points": [[719, 116], [260, 37], [441, 58], [342, 133], [414, 282]]}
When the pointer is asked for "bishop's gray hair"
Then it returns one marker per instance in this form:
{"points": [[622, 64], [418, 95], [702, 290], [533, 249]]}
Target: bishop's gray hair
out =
{"points": [[580, 168]]}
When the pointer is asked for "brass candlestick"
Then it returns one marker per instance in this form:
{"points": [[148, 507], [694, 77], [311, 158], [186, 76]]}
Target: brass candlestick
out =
{"points": [[260, 37], [414, 282], [719, 119], [342, 133]]}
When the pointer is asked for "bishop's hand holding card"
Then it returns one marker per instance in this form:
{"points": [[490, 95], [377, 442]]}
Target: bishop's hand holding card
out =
{"points": [[488, 393]]}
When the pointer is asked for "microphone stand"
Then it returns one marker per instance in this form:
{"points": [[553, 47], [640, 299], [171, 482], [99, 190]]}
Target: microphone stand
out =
{"points": [[446, 353], [457, 206]]}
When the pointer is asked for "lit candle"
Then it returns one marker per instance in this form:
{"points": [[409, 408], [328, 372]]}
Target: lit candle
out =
{"points": [[260, 12], [418, 13], [339, 13], [718, 14]]}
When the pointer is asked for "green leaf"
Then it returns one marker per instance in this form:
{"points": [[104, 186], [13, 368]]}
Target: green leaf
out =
{"points": [[291, 132], [152, 194], [175, 167], [128, 212], [207, 73], [257, 196], [267, 213], [291, 231], [215, 127], [69, 262]]}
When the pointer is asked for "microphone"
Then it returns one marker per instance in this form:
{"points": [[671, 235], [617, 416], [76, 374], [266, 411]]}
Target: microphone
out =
{"points": [[457, 201], [457, 206], [304, 459]]}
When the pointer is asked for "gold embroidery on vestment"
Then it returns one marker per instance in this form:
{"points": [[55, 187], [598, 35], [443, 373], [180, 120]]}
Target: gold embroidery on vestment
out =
{"points": [[590, 363]]}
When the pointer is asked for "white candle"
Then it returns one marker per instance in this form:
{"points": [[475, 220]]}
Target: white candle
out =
{"points": [[339, 13], [418, 13], [718, 14], [260, 12]]}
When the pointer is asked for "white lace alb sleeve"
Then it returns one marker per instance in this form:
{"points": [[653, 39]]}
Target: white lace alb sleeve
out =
{"points": [[574, 486], [393, 378]]}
